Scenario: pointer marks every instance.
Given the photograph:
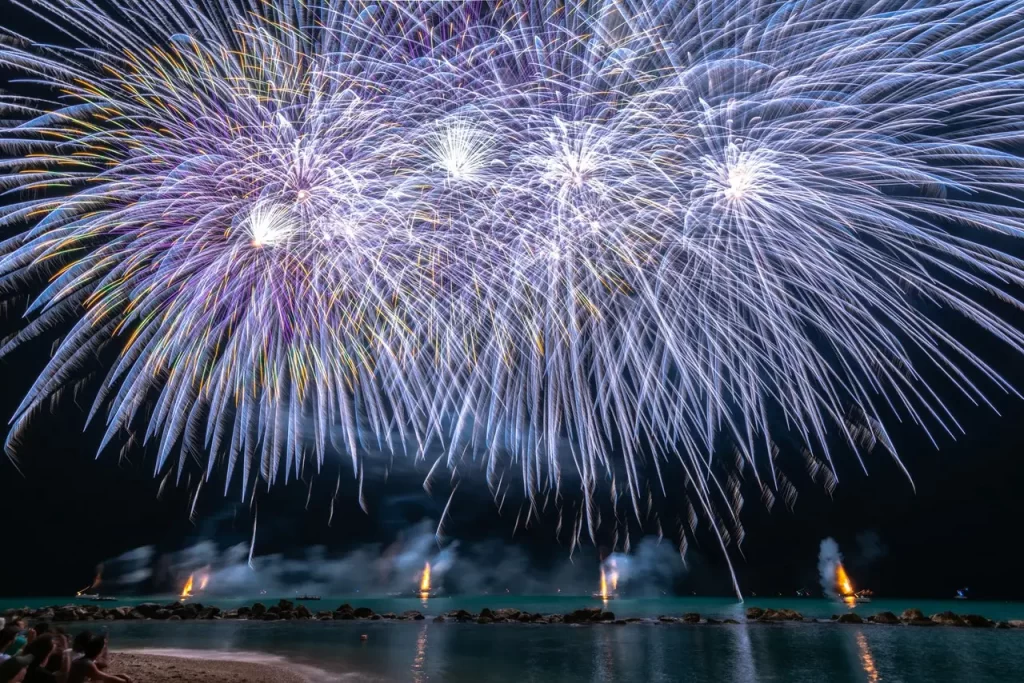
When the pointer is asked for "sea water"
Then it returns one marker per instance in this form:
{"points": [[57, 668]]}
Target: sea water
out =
{"points": [[648, 653]]}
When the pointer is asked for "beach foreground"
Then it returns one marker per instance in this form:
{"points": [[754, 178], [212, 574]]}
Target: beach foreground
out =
{"points": [[148, 667]]}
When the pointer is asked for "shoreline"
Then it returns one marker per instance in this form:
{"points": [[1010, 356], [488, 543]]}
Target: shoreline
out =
{"points": [[287, 610], [167, 665]]}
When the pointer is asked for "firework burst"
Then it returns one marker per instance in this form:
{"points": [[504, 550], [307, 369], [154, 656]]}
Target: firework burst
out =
{"points": [[596, 235]]}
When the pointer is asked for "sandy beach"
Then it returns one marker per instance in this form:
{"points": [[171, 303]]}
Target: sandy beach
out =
{"points": [[175, 666]]}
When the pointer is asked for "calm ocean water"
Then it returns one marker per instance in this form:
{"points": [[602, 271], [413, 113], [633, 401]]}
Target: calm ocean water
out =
{"points": [[463, 653]]}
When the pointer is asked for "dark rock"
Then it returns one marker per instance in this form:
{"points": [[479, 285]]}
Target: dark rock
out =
{"points": [[620, 622], [386, 615], [302, 612], [1002, 624], [524, 618], [833, 617], [235, 613], [345, 616], [780, 615], [344, 608], [977, 621], [754, 613], [208, 613], [709, 620], [912, 614], [188, 612], [375, 617], [363, 612], [174, 617], [920, 622], [259, 609], [325, 614], [730, 621], [948, 618], [287, 614], [286, 605], [484, 620], [271, 616], [439, 619], [173, 606], [1015, 623], [691, 618], [485, 612], [607, 616], [508, 613], [161, 614], [850, 618], [554, 619], [274, 609], [412, 614], [582, 616], [242, 611], [668, 620], [462, 615], [884, 618]]}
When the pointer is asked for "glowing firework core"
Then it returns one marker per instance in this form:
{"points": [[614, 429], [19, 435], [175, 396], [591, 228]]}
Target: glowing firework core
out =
{"points": [[186, 592]]}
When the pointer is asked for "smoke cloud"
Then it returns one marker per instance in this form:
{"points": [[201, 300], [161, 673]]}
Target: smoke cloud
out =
{"points": [[486, 567], [829, 559]]}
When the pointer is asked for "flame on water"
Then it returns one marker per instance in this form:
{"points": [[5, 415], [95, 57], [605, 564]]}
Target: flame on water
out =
{"points": [[425, 579], [604, 585], [845, 586], [186, 592], [843, 581], [95, 582]]}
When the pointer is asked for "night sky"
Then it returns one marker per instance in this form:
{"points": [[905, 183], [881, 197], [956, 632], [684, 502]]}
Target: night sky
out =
{"points": [[66, 511]]}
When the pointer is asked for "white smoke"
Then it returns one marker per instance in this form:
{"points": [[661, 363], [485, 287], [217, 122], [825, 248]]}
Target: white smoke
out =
{"points": [[488, 567], [829, 559]]}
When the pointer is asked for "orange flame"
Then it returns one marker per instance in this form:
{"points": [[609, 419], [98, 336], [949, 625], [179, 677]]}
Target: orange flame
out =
{"points": [[186, 592], [425, 579], [843, 581], [604, 585], [95, 582]]}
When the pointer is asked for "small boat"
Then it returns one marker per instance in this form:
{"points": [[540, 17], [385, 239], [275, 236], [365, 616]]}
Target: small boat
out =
{"points": [[103, 598], [88, 596], [308, 597], [859, 596]]}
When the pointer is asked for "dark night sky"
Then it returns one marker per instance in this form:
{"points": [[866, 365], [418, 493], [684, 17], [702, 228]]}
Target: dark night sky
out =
{"points": [[68, 511]]}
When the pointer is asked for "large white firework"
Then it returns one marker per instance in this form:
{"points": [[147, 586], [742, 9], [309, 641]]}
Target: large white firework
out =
{"points": [[589, 235]]}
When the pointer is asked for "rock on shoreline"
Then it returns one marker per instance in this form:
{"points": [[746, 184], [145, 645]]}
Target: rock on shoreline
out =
{"points": [[286, 610]]}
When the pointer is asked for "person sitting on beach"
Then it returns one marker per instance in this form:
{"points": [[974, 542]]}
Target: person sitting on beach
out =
{"points": [[21, 638], [85, 668], [78, 645], [60, 661], [41, 649], [8, 634], [12, 669]]}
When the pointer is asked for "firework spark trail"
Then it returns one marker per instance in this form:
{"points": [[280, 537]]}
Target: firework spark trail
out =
{"points": [[625, 231]]}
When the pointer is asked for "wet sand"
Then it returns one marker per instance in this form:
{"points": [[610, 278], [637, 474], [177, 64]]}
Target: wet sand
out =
{"points": [[176, 666]]}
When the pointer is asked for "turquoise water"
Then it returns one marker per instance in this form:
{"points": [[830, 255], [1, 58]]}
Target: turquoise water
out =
{"points": [[645, 653]]}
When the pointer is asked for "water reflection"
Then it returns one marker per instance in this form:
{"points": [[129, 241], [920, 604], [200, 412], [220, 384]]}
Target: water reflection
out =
{"points": [[419, 663], [866, 660]]}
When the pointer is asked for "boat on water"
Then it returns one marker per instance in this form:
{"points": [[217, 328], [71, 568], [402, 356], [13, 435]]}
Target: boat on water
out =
{"points": [[859, 596], [308, 597], [103, 598], [87, 596], [961, 594]]}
